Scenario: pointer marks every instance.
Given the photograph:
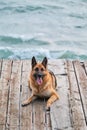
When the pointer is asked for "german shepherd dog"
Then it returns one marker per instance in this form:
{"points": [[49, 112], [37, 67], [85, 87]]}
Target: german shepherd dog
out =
{"points": [[42, 83]]}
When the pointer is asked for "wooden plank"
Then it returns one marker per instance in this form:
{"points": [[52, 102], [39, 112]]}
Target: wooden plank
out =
{"points": [[0, 67], [48, 121], [26, 112], [60, 116], [14, 97], [55, 65], [0, 64], [6, 71], [82, 83], [4, 91], [76, 111], [39, 115], [85, 66], [2, 127]]}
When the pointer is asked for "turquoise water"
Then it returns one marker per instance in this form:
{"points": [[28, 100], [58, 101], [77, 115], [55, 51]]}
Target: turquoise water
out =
{"points": [[52, 28]]}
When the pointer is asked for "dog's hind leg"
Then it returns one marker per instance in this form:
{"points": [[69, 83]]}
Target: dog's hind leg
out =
{"points": [[29, 100]]}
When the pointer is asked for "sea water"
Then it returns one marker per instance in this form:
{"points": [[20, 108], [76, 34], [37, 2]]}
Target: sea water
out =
{"points": [[53, 28]]}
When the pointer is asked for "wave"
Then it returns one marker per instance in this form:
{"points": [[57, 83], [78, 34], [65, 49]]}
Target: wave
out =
{"points": [[71, 55], [11, 39], [80, 16], [22, 9], [17, 39], [21, 53], [30, 8]]}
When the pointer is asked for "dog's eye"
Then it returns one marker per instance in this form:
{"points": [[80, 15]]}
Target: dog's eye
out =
{"points": [[37, 69], [42, 69]]}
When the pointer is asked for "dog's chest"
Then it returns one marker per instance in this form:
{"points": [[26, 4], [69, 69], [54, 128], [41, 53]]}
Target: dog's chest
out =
{"points": [[45, 93]]}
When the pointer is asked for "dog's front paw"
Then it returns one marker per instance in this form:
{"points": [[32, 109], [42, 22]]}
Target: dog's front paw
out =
{"points": [[25, 103], [48, 104], [47, 108]]}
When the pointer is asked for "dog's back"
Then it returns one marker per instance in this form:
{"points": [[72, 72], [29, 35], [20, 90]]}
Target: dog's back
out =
{"points": [[54, 80]]}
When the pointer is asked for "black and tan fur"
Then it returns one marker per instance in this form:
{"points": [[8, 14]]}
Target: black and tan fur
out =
{"points": [[42, 82]]}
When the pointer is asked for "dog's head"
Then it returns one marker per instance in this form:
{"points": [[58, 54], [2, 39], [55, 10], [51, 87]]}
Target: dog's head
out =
{"points": [[39, 70]]}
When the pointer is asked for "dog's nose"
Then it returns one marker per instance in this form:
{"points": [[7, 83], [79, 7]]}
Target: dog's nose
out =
{"points": [[40, 75]]}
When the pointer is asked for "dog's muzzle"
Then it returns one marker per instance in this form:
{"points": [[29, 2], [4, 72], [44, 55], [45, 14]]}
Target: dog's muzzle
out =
{"points": [[39, 78], [39, 75]]}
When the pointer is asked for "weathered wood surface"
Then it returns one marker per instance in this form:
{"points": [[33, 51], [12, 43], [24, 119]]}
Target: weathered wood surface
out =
{"points": [[67, 113]]}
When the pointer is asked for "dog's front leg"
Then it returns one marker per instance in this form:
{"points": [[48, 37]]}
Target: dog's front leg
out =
{"points": [[53, 98], [29, 100]]}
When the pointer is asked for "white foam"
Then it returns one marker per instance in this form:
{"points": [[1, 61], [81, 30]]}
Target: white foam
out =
{"points": [[28, 53]]}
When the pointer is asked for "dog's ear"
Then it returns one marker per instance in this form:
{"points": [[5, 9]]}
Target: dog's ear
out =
{"points": [[44, 62], [33, 62]]}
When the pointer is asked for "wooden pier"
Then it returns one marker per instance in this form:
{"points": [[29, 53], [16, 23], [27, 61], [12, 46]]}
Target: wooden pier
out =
{"points": [[68, 113]]}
